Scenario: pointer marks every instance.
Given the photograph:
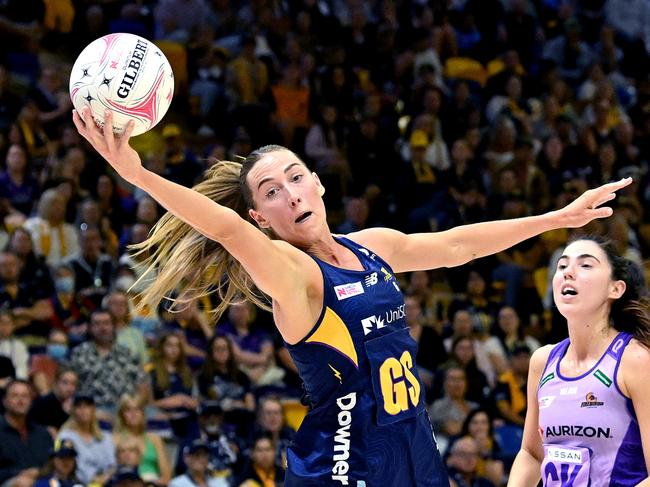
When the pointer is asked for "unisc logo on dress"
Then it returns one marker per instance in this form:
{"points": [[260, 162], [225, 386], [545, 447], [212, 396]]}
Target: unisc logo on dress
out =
{"points": [[591, 401]]}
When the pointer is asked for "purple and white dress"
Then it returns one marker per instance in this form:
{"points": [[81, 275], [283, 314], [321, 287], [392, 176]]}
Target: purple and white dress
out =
{"points": [[588, 427]]}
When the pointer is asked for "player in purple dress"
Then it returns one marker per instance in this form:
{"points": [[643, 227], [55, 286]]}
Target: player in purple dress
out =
{"points": [[588, 419]]}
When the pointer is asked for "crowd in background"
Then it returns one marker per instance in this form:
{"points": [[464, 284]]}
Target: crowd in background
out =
{"points": [[417, 115]]}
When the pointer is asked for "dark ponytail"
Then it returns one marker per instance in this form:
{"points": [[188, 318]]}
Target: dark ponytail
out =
{"points": [[630, 312]]}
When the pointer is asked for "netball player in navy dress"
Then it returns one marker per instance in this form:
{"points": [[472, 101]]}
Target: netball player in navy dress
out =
{"points": [[263, 225]]}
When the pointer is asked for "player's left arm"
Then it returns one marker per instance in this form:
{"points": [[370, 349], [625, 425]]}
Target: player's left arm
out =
{"points": [[421, 251], [634, 382]]}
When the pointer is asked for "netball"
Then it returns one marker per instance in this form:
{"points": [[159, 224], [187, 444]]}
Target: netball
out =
{"points": [[126, 74]]}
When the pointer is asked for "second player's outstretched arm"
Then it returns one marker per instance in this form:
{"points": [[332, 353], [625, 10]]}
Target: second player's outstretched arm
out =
{"points": [[273, 270]]}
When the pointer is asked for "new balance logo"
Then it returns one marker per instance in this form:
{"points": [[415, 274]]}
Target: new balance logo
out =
{"points": [[372, 279], [367, 254], [372, 322]]}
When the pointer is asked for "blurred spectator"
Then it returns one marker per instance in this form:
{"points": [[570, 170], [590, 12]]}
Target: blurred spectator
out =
{"points": [[371, 154], [136, 234], [628, 20], [29, 307], [292, 100], [223, 450], [324, 148], [12, 347], [95, 450], [196, 456], [178, 21], [61, 468], [53, 409], [147, 211], [271, 420], [53, 238], [38, 144], [68, 307], [34, 270], [431, 351], [9, 101], [478, 426], [510, 391], [262, 467], [571, 54], [247, 77], [45, 367], [356, 216], [448, 413], [193, 326], [106, 370], [420, 286], [475, 300], [462, 355], [128, 454], [17, 184], [125, 477], [506, 336], [208, 86], [220, 378], [89, 215], [52, 99], [115, 207], [24, 445], [462, 464], [130, 422], [92, 268], [172, 384], [118, 305], [252, 348], [462, 325], [181, 165], [418, 191]]}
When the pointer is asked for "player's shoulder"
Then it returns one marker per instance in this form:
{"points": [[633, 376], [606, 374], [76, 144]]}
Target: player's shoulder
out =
{"points": [[635, 359], [636, 356], [541, 355], [380, 240], [539, 358]]}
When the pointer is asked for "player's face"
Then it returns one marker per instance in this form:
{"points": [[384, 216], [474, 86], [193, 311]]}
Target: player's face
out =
{"points": [[583, 284], [288, 198]]}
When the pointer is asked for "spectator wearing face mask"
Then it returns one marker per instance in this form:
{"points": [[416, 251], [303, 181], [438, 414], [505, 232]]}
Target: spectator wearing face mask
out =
{"points": [[45, 367], [67, 308]]}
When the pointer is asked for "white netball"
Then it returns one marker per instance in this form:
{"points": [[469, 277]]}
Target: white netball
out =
{"points": [[126, 74]]}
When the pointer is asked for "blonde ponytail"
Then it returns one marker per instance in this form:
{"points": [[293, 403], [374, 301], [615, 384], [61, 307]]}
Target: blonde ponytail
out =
{"points": [[192, 265]]}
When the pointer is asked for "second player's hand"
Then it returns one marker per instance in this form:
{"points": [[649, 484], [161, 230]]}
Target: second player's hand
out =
{"points": [[115, 149], [588, 207]]}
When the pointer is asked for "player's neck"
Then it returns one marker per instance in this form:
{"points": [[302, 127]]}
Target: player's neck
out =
{"points": [[330, 251], [589, 338]]}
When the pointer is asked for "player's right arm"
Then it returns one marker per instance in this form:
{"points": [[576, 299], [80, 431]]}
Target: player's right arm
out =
{"points": [[276, 267], [525, 470]]}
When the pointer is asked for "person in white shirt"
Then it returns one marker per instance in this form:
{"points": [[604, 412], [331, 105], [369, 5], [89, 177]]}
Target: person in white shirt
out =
{"points": [[197, 459], [12, 347], [53, 238]]}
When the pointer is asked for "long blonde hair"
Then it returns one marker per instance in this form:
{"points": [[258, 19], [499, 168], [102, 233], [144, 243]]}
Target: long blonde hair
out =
{"points": [[194, 265], [120, 426]]}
